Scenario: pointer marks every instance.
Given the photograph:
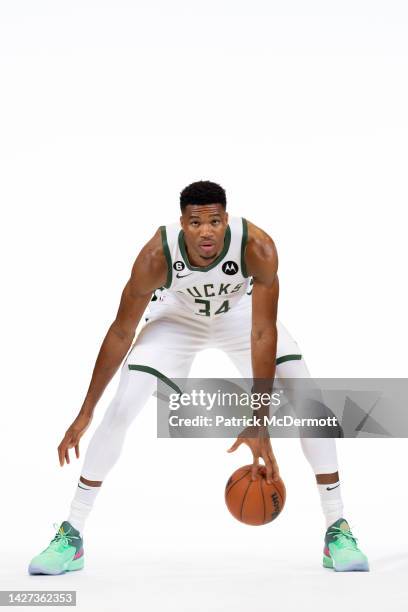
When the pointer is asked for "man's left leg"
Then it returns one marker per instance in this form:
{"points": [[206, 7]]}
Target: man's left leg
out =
{"points": [[340, 548], [321, 453], [340, 551]]}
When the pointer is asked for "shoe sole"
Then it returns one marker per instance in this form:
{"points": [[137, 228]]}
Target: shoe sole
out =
{"points": [[361, 566], [70, 566]]}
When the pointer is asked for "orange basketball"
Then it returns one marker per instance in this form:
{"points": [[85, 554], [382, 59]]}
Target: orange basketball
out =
{"points": [[254, 502]]}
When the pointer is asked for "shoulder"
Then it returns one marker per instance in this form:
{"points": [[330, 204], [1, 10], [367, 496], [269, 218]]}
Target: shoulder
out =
{"points": [[259, 241], [261, 256], [152, 253], [149, 270]]}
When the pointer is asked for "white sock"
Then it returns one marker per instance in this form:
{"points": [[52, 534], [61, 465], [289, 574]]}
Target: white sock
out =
{"points": [[331, 502], [82, 504]]}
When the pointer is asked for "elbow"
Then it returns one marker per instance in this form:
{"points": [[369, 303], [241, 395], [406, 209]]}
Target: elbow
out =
{"points": [[269, 333], [121, 333]]}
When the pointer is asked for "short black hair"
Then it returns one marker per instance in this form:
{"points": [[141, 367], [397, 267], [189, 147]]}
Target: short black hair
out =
{"points": [[203, 192]]}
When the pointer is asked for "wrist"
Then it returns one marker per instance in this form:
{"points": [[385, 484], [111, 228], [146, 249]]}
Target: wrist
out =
{"points": [[86, 411], [262, 385]]}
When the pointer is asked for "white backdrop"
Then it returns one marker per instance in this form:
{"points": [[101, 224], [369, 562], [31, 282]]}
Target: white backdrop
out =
{"points": [[108, 109]]}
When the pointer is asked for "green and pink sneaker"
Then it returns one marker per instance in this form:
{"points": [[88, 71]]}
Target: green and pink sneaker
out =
{"points": [[64, 554], [341, 552]]}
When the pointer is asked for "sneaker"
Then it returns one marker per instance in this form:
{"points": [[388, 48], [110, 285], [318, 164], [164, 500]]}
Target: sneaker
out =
{"points": [[341, 552], [64, 554]]}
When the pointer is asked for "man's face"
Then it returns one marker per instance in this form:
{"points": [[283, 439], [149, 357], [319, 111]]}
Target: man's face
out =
{"points": [[204, 228]]}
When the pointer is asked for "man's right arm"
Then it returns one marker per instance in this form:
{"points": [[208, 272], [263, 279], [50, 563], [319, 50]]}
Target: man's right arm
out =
{"points": [[149, 272]]}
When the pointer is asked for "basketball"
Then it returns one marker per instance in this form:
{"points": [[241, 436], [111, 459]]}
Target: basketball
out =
{"points": [[254, 502]]}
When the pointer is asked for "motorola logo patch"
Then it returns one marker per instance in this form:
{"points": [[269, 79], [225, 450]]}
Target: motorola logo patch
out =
{"points": [[230, 267], [179, 266]]}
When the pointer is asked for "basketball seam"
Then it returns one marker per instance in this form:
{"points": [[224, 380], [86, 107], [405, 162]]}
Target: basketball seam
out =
{"points": [[243, 500], [263, 498], [281, 491], [234, 483]]}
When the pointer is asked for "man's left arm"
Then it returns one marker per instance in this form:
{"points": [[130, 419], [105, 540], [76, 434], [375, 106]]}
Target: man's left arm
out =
{"points": [[262, 265], [261, 260]]}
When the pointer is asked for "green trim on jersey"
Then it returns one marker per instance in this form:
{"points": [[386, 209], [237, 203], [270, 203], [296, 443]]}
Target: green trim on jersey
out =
{"points": [[287, 358], [182, 247], [156, 373], [243, 247], [166, 251]]}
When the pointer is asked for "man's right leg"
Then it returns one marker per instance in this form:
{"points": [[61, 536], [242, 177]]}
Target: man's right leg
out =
{"points": [[164, 348], [105, 446], [66, 552]]}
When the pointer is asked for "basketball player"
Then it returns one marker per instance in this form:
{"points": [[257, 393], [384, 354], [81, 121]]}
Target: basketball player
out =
{"points": [[210, 283]]}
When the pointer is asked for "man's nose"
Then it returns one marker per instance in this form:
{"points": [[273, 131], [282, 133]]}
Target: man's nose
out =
{"points": [[207, 231]]}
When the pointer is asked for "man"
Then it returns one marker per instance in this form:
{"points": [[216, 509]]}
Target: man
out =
{"points": [[217, 282]]}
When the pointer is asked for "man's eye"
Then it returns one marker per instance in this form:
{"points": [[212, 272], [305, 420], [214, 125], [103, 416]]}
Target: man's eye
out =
{"points": [[194, 223], [216, 221]]}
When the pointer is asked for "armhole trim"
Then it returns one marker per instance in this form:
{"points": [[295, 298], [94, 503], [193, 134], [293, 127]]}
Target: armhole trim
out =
{"points": [[243, 247], [166, 251]]}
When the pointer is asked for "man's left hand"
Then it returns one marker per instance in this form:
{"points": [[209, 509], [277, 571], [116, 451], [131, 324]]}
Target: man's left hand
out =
{"points": [[257, 438]]}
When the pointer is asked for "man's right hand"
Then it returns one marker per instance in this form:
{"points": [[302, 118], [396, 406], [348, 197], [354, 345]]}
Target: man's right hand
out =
{"points": [[72, 437]]}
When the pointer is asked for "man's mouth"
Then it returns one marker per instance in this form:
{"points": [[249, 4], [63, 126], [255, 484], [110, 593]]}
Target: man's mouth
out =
{"points": [[207, 246]]}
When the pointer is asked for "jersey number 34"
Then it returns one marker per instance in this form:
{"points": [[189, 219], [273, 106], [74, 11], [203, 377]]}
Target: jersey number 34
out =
{"points": [[206, 310]]}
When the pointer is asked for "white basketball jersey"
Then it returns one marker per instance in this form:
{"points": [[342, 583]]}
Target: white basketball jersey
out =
{"points": [[211, 290]]}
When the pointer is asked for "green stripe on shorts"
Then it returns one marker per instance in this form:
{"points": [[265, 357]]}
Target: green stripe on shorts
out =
{"points": [[156, 373], [287, 358]]}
